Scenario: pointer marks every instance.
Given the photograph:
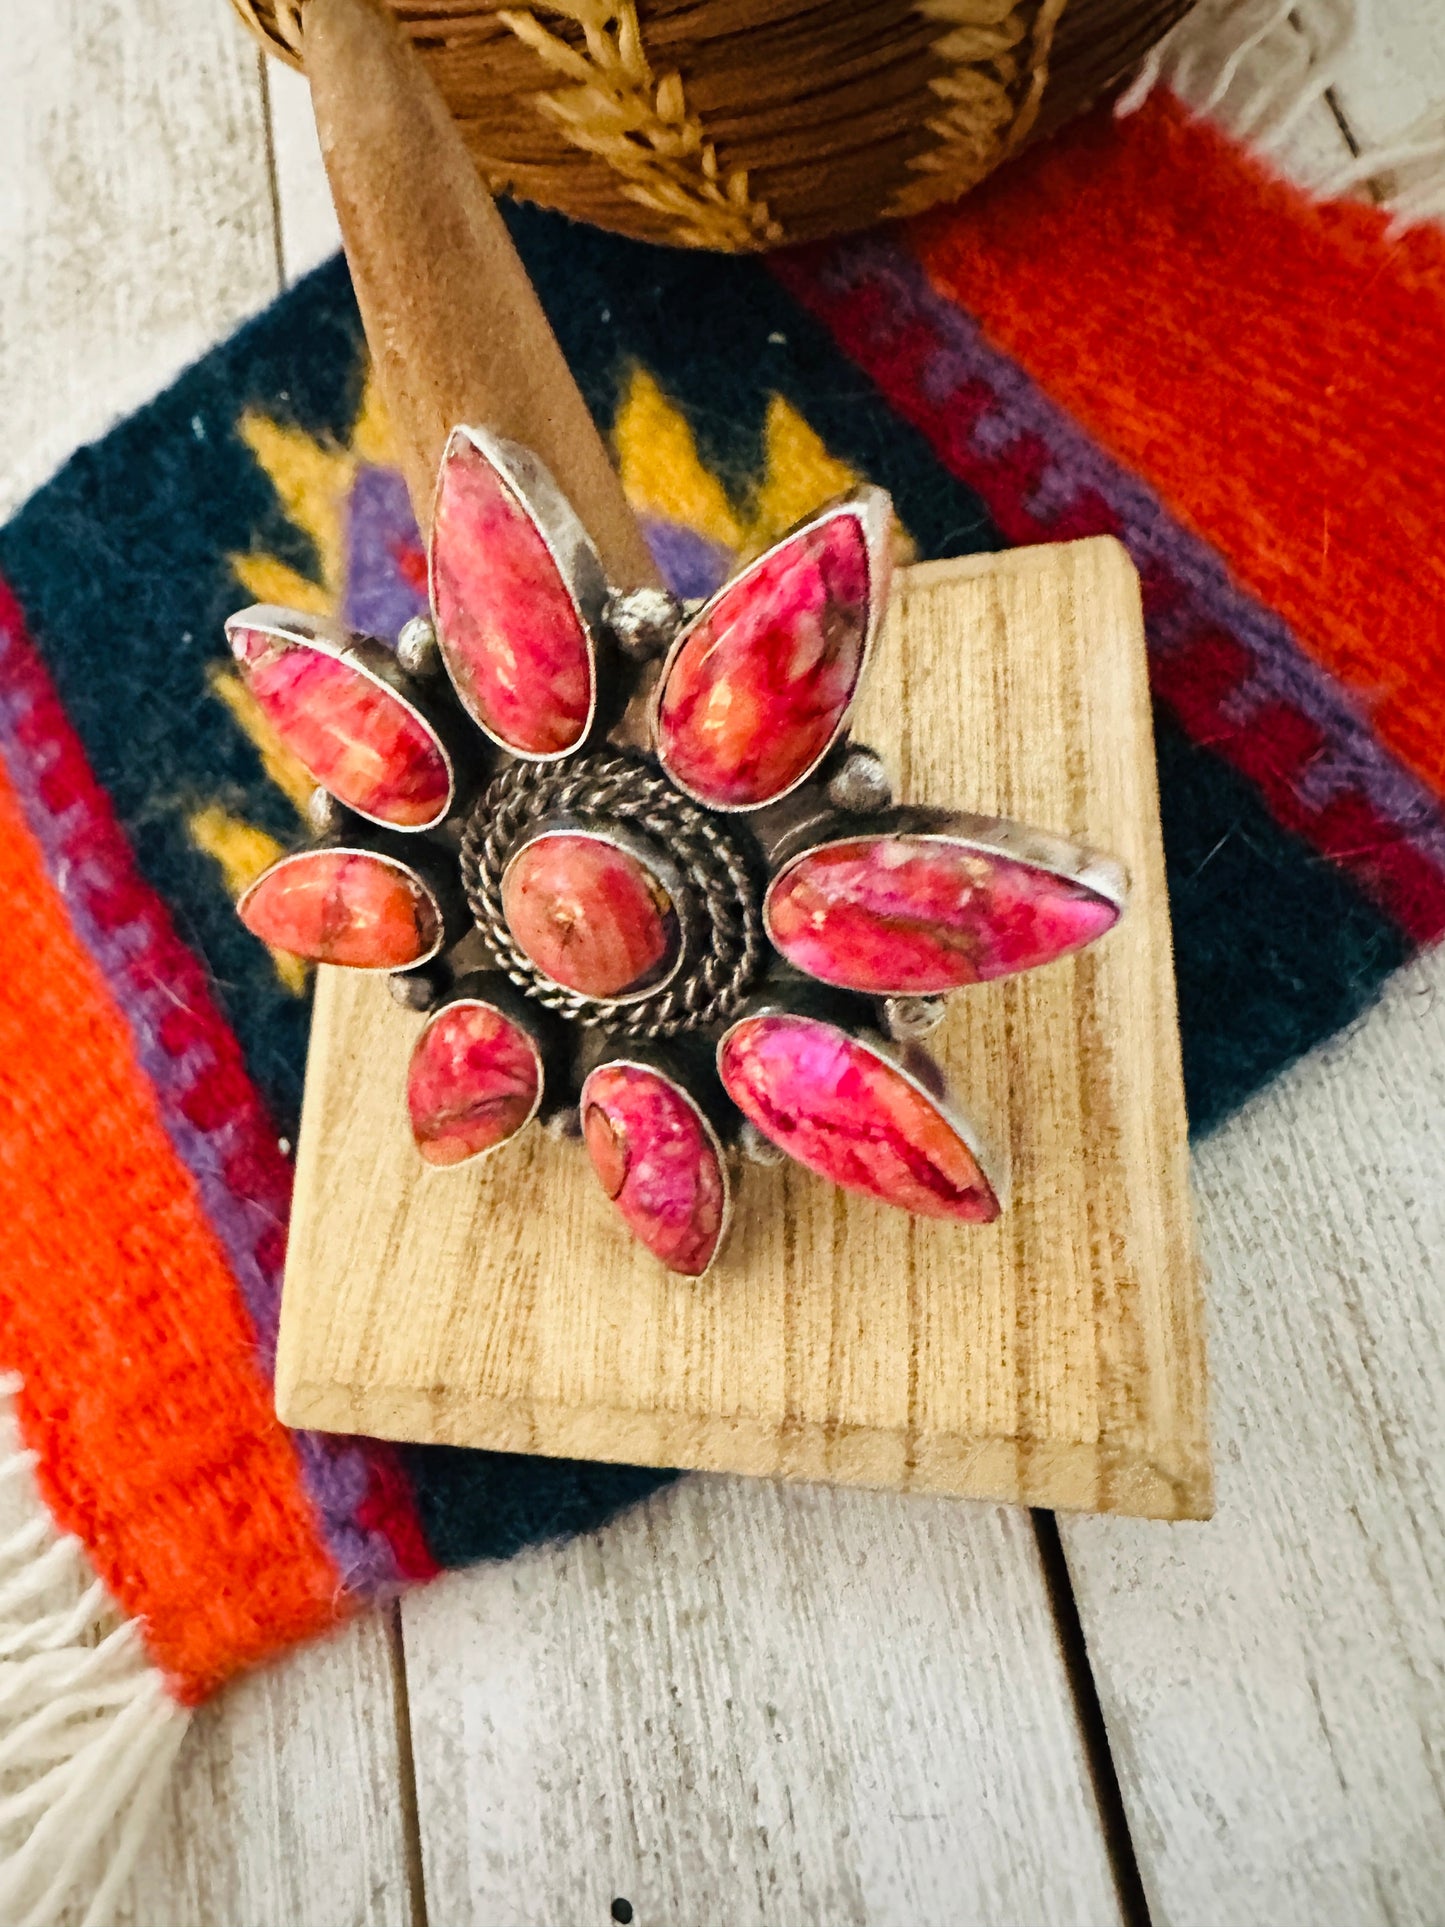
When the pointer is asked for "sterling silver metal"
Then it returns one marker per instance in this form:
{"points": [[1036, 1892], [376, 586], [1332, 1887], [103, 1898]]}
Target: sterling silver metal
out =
{"points": [[910, 1061], [905, 1019], [373, 661], [486, 991], [681, 895], [424, 873], [861, 783], [612, 790], [417, 649], [874, 510], [994, 836], [531, 484], [643, 621], [658, 1065]]}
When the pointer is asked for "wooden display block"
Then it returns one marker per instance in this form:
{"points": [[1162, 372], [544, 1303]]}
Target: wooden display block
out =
{"points": [[1054, 1358]]}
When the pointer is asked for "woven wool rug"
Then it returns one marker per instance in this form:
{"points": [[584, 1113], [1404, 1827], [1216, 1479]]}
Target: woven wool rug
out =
{"points": [[1136, 332]]}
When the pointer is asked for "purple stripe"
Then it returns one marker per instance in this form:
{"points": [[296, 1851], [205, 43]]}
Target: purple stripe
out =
{"points": [[335, 1472], [1351, 760]]}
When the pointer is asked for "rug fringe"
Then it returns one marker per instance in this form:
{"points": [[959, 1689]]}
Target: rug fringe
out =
{"points": [[88, 1730], [1258, 66]]}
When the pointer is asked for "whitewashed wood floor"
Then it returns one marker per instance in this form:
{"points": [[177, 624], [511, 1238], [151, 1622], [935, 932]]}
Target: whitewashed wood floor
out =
{"points": [[764, 1704]]}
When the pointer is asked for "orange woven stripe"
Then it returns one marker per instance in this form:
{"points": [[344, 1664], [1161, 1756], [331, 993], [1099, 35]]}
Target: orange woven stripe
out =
{"points": [[157, 1441], [1273, 368]]}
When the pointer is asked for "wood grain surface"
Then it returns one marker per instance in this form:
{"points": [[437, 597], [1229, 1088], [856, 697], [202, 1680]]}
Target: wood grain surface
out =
{"points": [[1275, 1683], [1053, 1357], [1238, 1661], [757, 1703]]}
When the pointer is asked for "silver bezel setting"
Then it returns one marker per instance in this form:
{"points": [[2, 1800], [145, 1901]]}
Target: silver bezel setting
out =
{"points": [[533, 1044], [991, 836], [642, 851], [573, 555], [872, 508], [373, 855], [628, 1061], [895, 1058], [371, 660]]}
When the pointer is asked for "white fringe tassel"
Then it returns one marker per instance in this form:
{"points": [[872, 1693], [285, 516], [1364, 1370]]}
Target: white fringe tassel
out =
{"points": [[1258, 66], [88, 1732]]}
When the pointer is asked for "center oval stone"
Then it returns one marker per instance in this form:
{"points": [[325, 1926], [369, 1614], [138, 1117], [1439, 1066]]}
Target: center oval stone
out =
{"points": [[590, 915]]}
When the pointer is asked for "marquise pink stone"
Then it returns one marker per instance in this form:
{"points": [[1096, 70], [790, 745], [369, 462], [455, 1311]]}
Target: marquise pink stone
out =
{"points": [[589, 915], [837, 1107], [343, 907], [656, 1162], [918, 914], [358, 739], [510, 635], [760, 683], [472, 1084]]}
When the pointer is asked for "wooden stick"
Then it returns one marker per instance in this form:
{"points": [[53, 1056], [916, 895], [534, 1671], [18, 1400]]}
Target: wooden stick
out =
{"points": [[456, 330]]}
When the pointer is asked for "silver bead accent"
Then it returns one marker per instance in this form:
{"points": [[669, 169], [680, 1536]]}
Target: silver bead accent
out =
{"points": [[416, 647], [643, 621], [564, 1124], [323, 813], [412, 989], [756, 1148], [907, 1018], [861, 783]]}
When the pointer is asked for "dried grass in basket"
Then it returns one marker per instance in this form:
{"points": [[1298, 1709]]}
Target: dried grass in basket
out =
{"points": [[743, 124]]}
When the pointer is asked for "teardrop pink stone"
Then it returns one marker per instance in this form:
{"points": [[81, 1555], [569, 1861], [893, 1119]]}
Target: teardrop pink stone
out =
{"points": [[923, 914], [355, 736], [844, 1112], [590, 915], [657, 1163], [510, 635], [343, 907], [761, 681], [473, 1082]]}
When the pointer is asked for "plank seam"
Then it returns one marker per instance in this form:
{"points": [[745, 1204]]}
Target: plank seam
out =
{"points": [[1093, 1728]]}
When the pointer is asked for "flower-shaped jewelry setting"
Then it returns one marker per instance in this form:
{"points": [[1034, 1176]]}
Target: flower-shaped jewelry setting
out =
{"points": [[732, 938]]}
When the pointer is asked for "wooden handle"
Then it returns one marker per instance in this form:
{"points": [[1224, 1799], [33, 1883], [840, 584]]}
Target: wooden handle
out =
{"points": [[456, 330]]}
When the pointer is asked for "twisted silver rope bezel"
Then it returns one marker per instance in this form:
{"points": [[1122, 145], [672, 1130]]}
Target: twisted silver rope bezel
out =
{"points": [[610, 787]]}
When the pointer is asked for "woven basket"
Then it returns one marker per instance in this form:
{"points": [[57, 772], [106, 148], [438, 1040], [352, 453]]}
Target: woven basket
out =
{"points": [[742, 124]]}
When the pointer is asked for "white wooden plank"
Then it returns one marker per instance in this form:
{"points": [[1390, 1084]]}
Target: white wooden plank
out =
{"points": [[135, 212], [755, 1702], [309, 233], [286, 1805], [1396, 70], [1274, 1682], [136, 228]]}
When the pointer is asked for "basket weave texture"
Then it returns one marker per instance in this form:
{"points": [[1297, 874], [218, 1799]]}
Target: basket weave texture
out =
{"points": [[745, 124]]}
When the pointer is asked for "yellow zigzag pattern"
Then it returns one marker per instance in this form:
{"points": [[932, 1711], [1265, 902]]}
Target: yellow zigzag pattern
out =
{"points": [[663, 476]]}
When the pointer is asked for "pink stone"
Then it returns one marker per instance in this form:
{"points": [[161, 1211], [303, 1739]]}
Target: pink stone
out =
{"points": [[510, 634], [919, 914], [760, 682], [591, 916], [657, 1161], [845, 1112], [343, 907], [358, 738], [474, 1081]]}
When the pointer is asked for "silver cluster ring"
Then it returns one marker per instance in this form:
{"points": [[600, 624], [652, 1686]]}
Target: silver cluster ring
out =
{"points": [[609, 787]]}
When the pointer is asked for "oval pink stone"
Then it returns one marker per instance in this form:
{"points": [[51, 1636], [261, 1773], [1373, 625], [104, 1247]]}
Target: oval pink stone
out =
{"points": [[836, 1106], [344, 907], [591, 916], [923, 914], [359, 740], [657, 1161], [474, 1081], [759, 684], [510, 634]]}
